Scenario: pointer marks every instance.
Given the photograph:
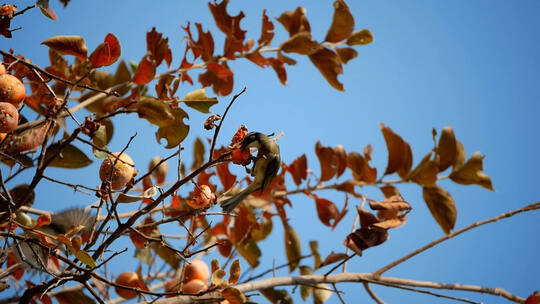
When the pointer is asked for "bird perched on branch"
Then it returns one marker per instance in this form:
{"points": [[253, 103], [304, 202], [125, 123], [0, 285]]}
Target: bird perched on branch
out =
{"points": [[265, 167], [36, 256]]}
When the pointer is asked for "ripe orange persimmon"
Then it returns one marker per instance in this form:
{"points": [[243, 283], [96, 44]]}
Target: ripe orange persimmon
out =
{"points": [[194, 286], [9, 117], [121, 173], [196, 270], [172, 285], [202, 198], [11, 90], [128, 279], [2, 69]]}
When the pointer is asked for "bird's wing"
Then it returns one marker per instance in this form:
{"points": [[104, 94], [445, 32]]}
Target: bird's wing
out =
{"points": [[271, 170]]}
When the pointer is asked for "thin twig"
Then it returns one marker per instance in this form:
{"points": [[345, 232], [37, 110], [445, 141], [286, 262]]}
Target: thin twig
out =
{"points": [[431, 293], [530, 207], [216, 132], [372, 294]]}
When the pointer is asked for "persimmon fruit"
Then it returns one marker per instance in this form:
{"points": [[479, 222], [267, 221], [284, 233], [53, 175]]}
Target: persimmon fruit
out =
{"points": [[11, 90], [9, 117], [194, 286], [122, 170], [128, 279], [196, 270]]}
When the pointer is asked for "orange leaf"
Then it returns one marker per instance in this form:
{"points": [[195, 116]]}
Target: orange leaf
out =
{"points": [[332, 258], [43, 220], [106, 53], [447, 149], [225, 176], [258, 59], [234, 272], [267, 31], [341, 157], [366, 218], [394, 203], [328, 161], [12, 260], [295, 21], [233, 295], [346, 54], [399, 153], [342, 23], [68, 45], [426, 171], [224, 247], [471, 173], [292, 247], [329, 64], [298, 169], [145, 72]]}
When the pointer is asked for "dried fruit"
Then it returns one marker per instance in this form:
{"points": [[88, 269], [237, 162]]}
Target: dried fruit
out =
{"points": [[9, 117], [122, 172], [11, 90]]}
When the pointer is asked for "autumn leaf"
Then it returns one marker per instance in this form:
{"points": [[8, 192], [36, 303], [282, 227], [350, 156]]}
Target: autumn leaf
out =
{"points": [[471, 173], [327, 160], [364, 238], [219, 76], [158, 47], [298, 169], [360, 38], [399, 153], [43, 220], [333, 257], [305, 291], [300, 43], [342, 23], [346, 54], [249, 250], [145, 71], [156, 112], [329, 64], [314, 247], [279, 67], [198, 153], [234, 272], [267, 30], [204, 47], [68, 45], [46, 10], [230, 26], [447, 149], [394, 203], [106, 53], [442, 206], [426, 171], [293, 247], [295, 21], [276, 296], [326, 210], [175, 132], [73, 296], [225, 176], [199, 101], [69, 157]]}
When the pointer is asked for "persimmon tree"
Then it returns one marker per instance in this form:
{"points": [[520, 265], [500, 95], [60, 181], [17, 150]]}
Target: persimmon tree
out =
{"points": [[77, 90]]}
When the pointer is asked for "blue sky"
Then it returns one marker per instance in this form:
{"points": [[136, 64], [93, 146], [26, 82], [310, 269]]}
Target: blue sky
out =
{"points": [[470, 65]]}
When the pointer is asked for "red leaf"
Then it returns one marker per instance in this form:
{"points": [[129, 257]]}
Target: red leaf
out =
{"points": [[204, 46], [12, 260], [300, 43], [220, 86], [106, 53], [68, 45], [145, 72], [279, 68], [267, 31], [230, 26], [158, 47], [258, 59], [298, 169], [43, 220]]}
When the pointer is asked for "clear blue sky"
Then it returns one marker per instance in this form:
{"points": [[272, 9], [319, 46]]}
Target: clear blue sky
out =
{"points": [[472, 65]]}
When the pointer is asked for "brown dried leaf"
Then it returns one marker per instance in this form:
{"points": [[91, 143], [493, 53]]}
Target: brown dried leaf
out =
{"points": [[333, 257], [394, 203], [219, 76], [233, 295], [329, 64], [295, 21], [158, 47], [471, 173], [342, 23], [326, 210], [298, 169], [314, 246], [399, 153], [68, 45], [279, 67], [249, 250], [230, 26], [447, 149], [442, 207], [341, 157], [293, 247], [426, 172], [328, 161], [155, 111], [199, 101], [366, 218], [198, 153], [300, 43], [361, 37], [365, 238], [346, 54], [392, 223], [234, 272], [106, 53], [305, 291]]}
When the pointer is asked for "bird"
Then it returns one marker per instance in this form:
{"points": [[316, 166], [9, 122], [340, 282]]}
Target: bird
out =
{"points": [[265, 167], [36, 256]]}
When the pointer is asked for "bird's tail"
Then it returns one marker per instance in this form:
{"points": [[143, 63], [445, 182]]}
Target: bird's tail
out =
{"points": [[228, 205]]}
